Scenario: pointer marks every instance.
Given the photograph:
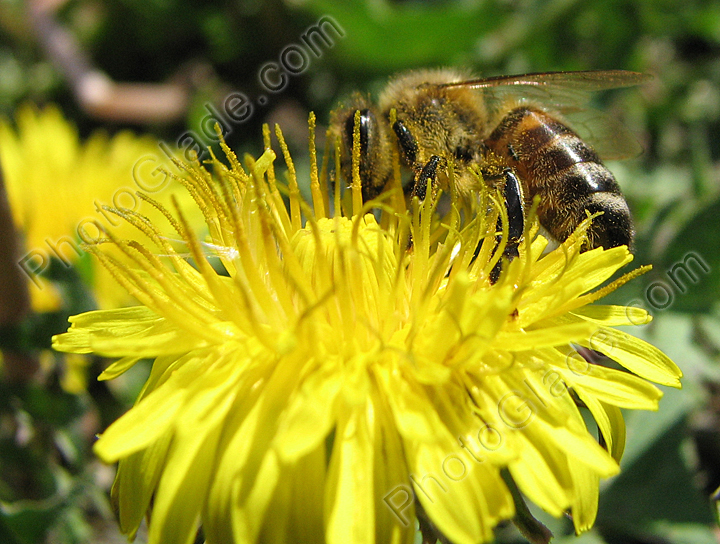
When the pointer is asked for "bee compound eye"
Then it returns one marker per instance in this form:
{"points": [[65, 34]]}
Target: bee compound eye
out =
{"points": [[368, 126]]}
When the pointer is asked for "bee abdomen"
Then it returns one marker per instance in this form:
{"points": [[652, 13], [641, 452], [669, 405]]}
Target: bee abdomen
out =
{"points": [[583, 179], [539, 144], [582, 188], [568, 175]]}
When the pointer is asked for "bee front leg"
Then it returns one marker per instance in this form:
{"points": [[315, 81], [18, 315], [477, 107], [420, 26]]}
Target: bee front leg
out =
{"points": [[427, 175], [410, 149]]}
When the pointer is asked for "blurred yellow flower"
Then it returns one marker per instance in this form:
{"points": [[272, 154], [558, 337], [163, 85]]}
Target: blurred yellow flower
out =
{"points": [[58, 186], [332, 374]]}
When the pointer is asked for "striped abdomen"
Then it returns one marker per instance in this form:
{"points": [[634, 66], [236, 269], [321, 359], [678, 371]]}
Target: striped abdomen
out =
{"points": [[554, 163]]}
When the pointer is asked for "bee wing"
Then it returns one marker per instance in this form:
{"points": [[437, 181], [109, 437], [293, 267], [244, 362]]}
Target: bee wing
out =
{"points": [[567, 93], [553, 83], [605, 134]]}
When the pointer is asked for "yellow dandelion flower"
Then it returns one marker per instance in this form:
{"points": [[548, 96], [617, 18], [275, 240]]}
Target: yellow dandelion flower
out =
{"points": [[58, 187], [333, 382]]}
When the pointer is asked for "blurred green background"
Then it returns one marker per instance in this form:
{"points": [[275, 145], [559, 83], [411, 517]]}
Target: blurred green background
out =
{"points": [[201, 53]]}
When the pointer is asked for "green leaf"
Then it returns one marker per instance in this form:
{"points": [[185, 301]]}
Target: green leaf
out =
{"points": [[386, 37], [28, 522], [6, 535], [591, 537], [688, 278], [656, 486]]}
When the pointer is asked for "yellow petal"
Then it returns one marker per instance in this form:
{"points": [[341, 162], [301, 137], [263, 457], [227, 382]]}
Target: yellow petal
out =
{"points": [[614, 316], [394, 497], [310, 414], [585, 503], [297, 506], [609, 385], [464, 498], [141, 426], [546, 337], [191, 456], [636, 355], [118, 368], [137, 477], [350, 500], [609, 420]]}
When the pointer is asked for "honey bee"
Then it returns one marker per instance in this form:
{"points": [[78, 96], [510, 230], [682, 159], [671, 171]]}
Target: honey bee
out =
{"points": [[513, 130]]}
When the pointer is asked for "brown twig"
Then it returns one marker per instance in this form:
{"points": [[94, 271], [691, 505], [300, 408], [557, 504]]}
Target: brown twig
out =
{"points": [[14, 294], [96, 93]]}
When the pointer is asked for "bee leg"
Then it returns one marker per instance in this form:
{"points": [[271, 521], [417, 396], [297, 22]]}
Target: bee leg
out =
{"points": [[409, 148], [406, 141], [512, 193], [427, 174], [515, 208]]}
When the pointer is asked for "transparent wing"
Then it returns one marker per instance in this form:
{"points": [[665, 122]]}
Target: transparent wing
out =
{"points": [[563, 82], [567, 94], [607, 136]]}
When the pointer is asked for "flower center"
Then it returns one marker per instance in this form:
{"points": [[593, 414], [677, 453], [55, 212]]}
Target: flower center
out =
{"points": [[353, 269]]}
